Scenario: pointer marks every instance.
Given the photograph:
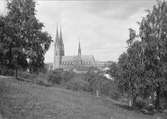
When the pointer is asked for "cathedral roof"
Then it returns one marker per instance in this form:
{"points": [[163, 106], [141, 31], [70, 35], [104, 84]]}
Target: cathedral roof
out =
{"points": [[85, 58], [67, 58], [89, 58]]}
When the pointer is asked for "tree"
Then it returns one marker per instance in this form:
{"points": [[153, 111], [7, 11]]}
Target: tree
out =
{"points": [[23, 31], [153, 32], [143, 68], [131, 69], [132, 36], [94, 77], [114, 70]]}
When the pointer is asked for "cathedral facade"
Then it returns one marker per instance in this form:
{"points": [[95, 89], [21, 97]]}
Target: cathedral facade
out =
{"points": [[61, 61]]}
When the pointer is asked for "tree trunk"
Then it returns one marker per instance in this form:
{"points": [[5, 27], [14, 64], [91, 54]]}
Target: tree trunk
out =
{"points": [[132, 101], [10, 56], [157, 101], [97, 93], [16, 73]]}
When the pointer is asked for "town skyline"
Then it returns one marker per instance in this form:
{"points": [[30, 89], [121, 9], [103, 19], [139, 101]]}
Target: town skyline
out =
{"points": [[100, 26]]}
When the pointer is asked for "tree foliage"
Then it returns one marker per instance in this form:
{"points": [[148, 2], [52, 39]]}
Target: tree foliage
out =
{"points": [[22, 36], [143, 67], [153, 32]]}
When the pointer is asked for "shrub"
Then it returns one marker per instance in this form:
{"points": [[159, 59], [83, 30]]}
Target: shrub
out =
{"points": [[109, 88], [41, 79], [26, 76], [59, 76], [67, 76], [105, 86], [77, 85], [6, 71], [54, 78], [3, 88], [140, 103]]}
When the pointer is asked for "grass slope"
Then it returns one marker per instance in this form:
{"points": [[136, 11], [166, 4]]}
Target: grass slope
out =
{"points": [[21, 100]]}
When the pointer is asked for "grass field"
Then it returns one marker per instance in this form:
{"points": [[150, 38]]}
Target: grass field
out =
{"points": [[21, 100]]}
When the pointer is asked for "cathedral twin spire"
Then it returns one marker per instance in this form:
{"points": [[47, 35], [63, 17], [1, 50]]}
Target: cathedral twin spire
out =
{"points": [[59, 45], [79, 49]]}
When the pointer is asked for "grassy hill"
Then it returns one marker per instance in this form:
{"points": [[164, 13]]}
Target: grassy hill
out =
{"points": [[21, 100]]}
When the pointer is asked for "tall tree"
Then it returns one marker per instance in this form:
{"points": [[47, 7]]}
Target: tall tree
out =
{"points": [[153, 32], [23, 35], [131, 68]]}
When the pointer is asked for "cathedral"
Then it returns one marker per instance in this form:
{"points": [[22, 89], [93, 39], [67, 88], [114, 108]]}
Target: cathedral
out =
{"points": [[76, 62]]}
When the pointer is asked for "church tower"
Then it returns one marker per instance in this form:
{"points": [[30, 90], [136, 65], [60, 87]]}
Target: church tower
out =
{"points": [[61, 43], [58, 49], [79, 49]]}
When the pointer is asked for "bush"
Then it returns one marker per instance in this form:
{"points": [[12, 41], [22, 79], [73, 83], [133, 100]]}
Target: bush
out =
{"points": [[67, 76], [54, 78], [77, 85], [26, 76], [46, 79], [3, 88], [6, 71], [69, 80], [140, 103], [105, 86], [59, 76], [41, 79], [109, 88]]}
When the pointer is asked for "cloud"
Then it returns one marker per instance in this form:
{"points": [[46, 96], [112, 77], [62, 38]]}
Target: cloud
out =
{"points": [[3, 10], [116, 9], [101, 26]]}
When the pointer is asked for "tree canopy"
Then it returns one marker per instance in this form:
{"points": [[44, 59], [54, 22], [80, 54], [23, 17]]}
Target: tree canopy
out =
{"points": [[143, 67], [22, 37]]}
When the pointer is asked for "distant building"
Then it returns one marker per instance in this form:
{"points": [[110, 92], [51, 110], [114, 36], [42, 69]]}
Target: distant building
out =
{"points": [[61, 61], [76, 63], [103, 64]]}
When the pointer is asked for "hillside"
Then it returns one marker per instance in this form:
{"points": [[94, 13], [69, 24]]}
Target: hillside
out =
{"points": [[21, 100]]}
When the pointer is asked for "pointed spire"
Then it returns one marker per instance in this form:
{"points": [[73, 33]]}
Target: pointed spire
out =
{"points": [[61, 42], [59, 45], [61, 39], [79, 49], [60, 33], [57, 31], [57, 37]]}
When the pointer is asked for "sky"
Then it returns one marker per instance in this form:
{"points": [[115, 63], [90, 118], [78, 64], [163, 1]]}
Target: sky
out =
{"points": [[101, 26]]}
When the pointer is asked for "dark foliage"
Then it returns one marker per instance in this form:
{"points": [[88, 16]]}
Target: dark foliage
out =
{"points": [[22, 40]]}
